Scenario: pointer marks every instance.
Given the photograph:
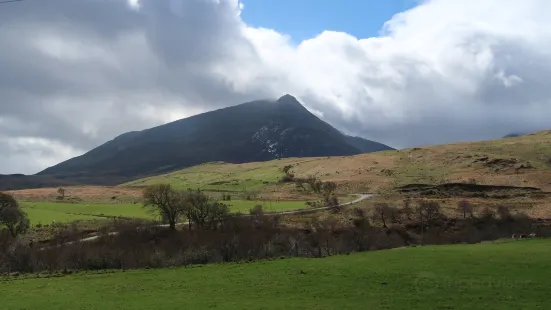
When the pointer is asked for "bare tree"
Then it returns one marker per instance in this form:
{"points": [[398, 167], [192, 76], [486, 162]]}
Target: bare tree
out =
{"points": [[315, 184], [333, 202], [430, 210], [12, 216], [299, 183], [328, 188], [361, 226], [407, 210], [203, 211], [61, 193], [381, 213], [161, 199], [504, 213], [465, 208]]}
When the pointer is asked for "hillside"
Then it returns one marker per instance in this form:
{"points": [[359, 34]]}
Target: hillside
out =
{"points": [[500, 275], [523, 161], [254, 131]]}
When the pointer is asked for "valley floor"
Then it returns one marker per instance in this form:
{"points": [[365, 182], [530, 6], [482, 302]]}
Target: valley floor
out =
{"points": [[494, 275]]}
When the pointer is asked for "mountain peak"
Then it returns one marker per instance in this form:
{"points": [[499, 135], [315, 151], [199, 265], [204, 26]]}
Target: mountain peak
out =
{"points": [[290, 102], [288, 99]]}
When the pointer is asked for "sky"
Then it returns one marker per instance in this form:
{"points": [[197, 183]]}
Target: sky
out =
{"points": [[305, 19], [76, 74]]}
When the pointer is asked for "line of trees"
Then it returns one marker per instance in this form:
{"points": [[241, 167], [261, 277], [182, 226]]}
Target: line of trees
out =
{"points": [[194, 205], [312, 184], [216, 236], [325, 189]]}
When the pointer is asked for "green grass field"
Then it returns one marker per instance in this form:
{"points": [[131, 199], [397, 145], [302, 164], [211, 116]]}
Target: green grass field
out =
{"points": [[501, 275], [244, 206], [220, 176], [47, 212], [40, 216]]}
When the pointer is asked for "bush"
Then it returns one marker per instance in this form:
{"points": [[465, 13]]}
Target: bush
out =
{"points": [[12, 217], [287, 178], [250, 195], [257, 210]]}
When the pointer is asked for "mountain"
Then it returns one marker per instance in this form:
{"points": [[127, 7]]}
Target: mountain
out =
{"points": [[366, 146], [20, 181], [254, 131], [513, 135]]}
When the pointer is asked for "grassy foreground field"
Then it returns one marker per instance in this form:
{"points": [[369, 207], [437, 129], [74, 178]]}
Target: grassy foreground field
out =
{"points": [[500, 275]]}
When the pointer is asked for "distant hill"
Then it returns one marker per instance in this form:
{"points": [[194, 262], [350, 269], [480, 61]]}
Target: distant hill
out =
{"points": [[255, 131], [513, 162], [513, 135], [366, 146], [19, 181]]}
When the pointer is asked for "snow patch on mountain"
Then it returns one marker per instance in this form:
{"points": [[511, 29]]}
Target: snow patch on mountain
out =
{"points": [[271, 138]]}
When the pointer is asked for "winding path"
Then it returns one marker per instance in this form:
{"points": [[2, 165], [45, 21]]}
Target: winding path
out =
{"points": [[360, 198]]}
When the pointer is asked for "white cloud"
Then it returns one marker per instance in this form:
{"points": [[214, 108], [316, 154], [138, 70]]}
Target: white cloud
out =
{"points": [[30, 153], [78, 75]]}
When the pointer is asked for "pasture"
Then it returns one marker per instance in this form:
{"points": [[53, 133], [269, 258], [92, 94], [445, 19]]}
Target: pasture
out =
{"points": [[48, 212], [220, 177]]}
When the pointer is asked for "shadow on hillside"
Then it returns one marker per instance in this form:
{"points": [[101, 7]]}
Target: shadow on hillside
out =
{"points": [[470, 190]]}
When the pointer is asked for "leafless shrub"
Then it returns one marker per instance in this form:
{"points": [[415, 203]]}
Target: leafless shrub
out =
{"points": [[487, 214], [257, 210], [504, 213], [381, 214], [465, 208], [406, 210]]}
